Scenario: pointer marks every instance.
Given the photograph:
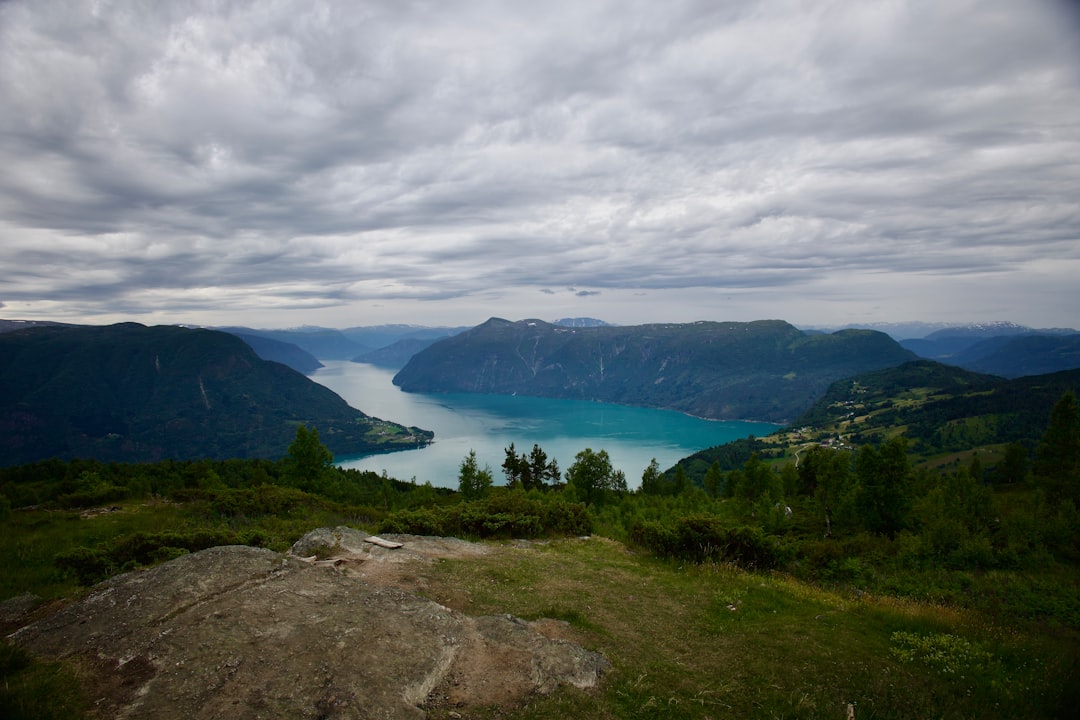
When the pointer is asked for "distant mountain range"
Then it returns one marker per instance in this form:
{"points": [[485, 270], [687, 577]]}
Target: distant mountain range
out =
{"points": [[321, 343], [395, 356], [134, 393], [581, 322], [915, 330], [1002, 349], [766, 370], [386, 345], [997, 348]]}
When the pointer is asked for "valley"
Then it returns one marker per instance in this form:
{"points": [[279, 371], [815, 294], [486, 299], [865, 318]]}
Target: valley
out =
{"points": [[908, 539]]}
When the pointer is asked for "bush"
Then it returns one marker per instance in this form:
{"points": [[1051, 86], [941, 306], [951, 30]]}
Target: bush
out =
{"points": [[92, 565], [93, 497], [702, 538], [426, 521], [505, 515]]}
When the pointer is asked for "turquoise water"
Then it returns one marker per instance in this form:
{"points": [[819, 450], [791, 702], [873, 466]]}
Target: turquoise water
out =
{"points": [[489, 423]]}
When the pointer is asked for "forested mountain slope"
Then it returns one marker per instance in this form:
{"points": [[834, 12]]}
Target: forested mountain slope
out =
{"points": [[285, 353], [940, 407], [133, 393], [765, 370], [1019, 356]]}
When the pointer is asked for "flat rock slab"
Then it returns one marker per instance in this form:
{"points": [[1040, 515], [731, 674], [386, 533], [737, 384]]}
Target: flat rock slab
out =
{"points": [[243, 632]]}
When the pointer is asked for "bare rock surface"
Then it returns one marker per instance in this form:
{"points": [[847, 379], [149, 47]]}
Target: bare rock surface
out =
{"points": [[325, 631]]}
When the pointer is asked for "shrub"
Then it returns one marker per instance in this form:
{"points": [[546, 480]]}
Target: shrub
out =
{"points": [[92, 565], [701, 538], [502, 515], [93, 497]]}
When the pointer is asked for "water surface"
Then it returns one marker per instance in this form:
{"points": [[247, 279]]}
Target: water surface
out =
{"points": [[632, 436]]}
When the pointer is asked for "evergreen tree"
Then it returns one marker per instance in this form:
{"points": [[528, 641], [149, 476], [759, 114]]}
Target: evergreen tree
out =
{"points": [[789, 479], [682, 483], [512, 467], [539, 471], [714, 480], [758, 482], [826, 474], [650, 479], [1013, 468], [884, 476], [1057, 457], [957, 509], [307, 461], [473, 483], [618, 482]]}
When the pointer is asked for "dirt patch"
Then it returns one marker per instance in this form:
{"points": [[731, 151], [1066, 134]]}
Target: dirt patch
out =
{"points": [[334, 629]]}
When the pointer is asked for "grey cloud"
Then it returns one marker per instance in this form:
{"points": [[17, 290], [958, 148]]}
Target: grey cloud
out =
{"points": [[348, 152]]}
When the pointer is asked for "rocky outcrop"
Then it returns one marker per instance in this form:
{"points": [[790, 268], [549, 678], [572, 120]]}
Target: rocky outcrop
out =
{"points": [[320, 632]]}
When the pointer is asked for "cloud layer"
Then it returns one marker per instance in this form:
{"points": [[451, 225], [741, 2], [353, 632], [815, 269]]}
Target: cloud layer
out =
{"points": [[350, 162]]}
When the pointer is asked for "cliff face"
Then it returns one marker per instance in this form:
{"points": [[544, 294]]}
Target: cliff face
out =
{"points": [[765, 370], [134, 393]]}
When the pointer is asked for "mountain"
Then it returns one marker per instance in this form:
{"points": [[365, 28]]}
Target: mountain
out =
{"points": [[1013, 357], [766, 370], [948, 342], [132, 393], [897, 330], [581, 322], [1004, 349], [12, 325], [938, 407], [285, 353], [979, 331], [397, 355], [374, 337], [323, 343]]}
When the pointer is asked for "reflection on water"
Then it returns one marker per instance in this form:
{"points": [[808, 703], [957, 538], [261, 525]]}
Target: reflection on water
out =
{"points": [[489, 423]]}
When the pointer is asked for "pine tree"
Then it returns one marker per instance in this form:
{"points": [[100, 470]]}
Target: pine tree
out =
{"points": [[1057, 458], [512, 467], [650, 479], [714, 480], [473, 483], [884, 475], [307, 461]]}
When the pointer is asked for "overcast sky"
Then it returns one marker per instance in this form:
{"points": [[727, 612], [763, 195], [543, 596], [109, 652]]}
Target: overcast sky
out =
{"points": [[276, 163]]}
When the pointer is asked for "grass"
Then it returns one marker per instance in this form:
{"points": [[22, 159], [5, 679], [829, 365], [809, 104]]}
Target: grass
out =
{"points": [[32, 689], [31, 540], [714, 641], [684, 640]]}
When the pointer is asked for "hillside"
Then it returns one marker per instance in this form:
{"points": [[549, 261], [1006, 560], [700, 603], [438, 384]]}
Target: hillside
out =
{"points": [[395, 356], [1004, 349], [765, 370], [323, 343], [1019, 356], [285, 353], [133, 393], [381, 336], [938, 407]]}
